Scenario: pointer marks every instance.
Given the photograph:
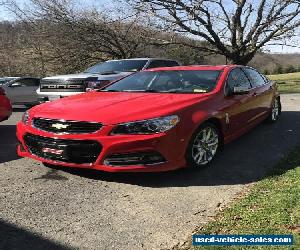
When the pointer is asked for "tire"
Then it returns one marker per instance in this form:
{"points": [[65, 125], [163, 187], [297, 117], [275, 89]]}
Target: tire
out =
{"points": [[199, 153], [275, 111], [29, 105]]}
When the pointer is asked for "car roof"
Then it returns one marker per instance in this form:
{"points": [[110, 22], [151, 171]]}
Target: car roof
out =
{"points": [[143, 58], [193, 67]]}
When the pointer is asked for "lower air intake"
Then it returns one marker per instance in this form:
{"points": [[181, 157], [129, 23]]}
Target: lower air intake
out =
{"points": [[130, 159]]}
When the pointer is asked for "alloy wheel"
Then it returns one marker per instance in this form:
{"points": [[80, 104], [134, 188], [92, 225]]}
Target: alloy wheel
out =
{"points": [[275, 110], [205, 145]]}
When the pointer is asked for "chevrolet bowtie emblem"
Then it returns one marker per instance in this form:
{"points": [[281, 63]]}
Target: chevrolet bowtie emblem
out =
{"points": [[59, 126]]}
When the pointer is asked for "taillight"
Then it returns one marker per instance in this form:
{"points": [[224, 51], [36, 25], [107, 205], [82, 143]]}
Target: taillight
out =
{"points": [[2, 92]]}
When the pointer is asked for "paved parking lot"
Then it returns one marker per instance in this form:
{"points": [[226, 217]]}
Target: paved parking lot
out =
{"points": [[43, 208]]}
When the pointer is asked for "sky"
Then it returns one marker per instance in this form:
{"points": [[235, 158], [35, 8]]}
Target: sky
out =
{"points": [[4, 15]]}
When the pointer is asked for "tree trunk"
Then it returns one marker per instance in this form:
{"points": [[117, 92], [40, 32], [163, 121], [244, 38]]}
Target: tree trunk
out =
{"points": [[239, 59]]}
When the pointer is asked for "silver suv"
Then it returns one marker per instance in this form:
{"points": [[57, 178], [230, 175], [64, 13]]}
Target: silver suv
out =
{"points": [[97, 76]]}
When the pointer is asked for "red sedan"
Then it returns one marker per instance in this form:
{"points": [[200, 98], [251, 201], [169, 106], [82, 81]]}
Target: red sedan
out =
{"points": [[5, 106], [154, 120]]}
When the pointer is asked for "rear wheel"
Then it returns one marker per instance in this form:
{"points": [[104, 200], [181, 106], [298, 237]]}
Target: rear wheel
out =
{"points": [[203, 146], [275, 111]]}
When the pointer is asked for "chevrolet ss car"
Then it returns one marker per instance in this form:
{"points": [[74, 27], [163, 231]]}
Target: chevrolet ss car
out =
{"points": [[5, 106], [95, 77], [155, 120]]}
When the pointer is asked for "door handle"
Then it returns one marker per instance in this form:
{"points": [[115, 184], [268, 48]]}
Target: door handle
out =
{"points": [[254, 94]]}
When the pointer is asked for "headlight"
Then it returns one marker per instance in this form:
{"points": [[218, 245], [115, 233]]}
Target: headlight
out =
{"points": [[25, 117], [151, 126]]}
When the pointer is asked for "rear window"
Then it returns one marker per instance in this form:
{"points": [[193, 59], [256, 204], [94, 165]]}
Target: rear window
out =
{"points": [[255, 78], [177, 81]]}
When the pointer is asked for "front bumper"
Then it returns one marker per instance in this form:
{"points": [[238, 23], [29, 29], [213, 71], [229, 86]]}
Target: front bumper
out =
{"points": [[168, 145]]}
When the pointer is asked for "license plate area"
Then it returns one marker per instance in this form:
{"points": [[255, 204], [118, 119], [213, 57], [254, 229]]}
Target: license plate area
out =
{"points": [[53, 151]]}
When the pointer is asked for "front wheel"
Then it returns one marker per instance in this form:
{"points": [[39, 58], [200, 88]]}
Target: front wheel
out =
{"points": [[203, 146], [275, 111]]}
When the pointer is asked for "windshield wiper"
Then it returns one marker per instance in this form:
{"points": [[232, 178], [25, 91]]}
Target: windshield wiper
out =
{"points": [[109, 73], [109, 90], [150, 91], [140, 90], [103, 73]]}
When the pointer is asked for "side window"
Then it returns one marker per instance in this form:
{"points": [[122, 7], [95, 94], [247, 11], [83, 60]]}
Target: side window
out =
{"points": [[255, 78], [29, 82], [36, 82], [156, 64], [236, 78], [171, 63], [265, 78]]}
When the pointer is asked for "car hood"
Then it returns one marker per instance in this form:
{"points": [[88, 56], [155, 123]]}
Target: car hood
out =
{"points": [[82, 76], [117, 107]]}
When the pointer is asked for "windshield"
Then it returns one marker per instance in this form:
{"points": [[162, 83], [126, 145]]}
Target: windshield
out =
{"points": [[114, 67], [177, 81]]}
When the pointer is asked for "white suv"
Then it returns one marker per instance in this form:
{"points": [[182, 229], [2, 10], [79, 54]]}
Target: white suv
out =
{"points": [[95, 77]]}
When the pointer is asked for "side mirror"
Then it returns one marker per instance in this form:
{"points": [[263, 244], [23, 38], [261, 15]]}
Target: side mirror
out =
{"points": [[240, 90], [15, 84]]}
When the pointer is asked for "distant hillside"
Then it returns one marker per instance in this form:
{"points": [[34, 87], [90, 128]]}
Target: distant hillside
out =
{"points": [[269, 62], [264, 61]]}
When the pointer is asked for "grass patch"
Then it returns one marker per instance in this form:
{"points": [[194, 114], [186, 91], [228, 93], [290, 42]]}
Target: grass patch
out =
{"points": [[271, 207], [289, 87], [287, 83], [285, 77]]}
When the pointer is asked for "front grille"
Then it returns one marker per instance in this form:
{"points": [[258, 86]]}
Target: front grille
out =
{"points": [[70, 151], [59, 85], [66, 127]]}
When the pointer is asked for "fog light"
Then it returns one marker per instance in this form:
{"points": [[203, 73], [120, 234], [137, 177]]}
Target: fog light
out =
{"points": [[130, 159], [22, 149]]}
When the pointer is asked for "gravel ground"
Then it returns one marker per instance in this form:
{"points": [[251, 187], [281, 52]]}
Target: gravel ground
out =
{"points": [[44, 208]]}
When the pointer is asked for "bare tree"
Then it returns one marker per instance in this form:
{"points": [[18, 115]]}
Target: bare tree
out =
{"points": [[237, 29], [71, 38]]}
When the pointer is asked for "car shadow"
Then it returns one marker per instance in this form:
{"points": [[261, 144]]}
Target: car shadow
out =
{"points": [[248, 159], [12, 237], [8, 143]]}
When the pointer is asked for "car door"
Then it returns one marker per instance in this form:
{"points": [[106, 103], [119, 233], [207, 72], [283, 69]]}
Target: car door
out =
{"points": [[11, 90], [238, 108], [262, 92], [23, 91]]}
